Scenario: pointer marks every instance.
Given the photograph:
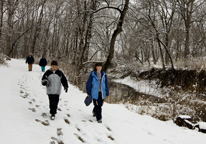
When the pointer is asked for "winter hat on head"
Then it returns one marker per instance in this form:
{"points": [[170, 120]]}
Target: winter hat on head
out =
{"points": [[54, 63]]}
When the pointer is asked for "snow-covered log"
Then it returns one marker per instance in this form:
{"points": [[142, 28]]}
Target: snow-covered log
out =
{"points": [[183, 120], [202, 127]]}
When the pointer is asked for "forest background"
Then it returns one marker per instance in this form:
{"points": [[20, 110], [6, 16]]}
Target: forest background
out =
{"points": [[159, 41]]}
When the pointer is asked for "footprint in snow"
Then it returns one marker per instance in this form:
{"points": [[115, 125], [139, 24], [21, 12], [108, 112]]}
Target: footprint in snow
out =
{"points": [[59, 132], [86, 120], [79, 138], [108, 128], [78, 129], [57, 140], [44, 115], [25, 95], [32, 109], [110, 137], [67, 121], [45, 123], [37, 106], [33, 100]]}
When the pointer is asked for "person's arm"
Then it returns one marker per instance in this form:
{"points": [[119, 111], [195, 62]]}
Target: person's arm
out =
{"points": [[64, 82], [45, 81], [26, 60], [32, 59], [40, 62]]}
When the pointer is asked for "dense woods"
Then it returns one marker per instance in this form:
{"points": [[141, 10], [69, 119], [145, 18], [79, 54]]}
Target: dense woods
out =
{"points": [[121, 31]]}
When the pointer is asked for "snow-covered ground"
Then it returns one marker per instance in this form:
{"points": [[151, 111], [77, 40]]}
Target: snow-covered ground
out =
{"points": [[25, 116]]}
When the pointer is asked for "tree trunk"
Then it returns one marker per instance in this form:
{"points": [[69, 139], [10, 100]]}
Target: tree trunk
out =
{"points": [[1, 20], [38, 28], [9, 29], [115, 34], [161, 53]]}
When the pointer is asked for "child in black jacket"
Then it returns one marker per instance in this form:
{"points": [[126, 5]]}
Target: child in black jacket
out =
{"points": [[53, 79]]}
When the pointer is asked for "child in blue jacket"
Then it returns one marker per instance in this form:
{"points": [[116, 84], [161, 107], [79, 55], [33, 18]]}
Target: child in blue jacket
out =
{"points": [[97, 86]]}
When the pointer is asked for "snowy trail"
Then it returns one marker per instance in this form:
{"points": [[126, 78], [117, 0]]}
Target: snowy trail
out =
{"points": [[25, 116]]}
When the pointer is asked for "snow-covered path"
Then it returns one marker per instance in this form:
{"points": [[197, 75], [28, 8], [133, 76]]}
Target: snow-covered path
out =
{"points": [[25, 116]]}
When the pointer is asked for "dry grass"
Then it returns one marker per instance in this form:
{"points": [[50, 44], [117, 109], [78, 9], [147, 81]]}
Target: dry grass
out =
{"points": [[3, 59], [191, 64]]}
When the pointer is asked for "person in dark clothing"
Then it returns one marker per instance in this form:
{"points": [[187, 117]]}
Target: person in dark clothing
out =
{"points": [[97, 86], [53, 79], [43, 63], [30, 61]]}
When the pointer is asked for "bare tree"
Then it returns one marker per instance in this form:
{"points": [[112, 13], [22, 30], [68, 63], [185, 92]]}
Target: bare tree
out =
{"points": [[115, 33], [38, 27], [1, 18]]}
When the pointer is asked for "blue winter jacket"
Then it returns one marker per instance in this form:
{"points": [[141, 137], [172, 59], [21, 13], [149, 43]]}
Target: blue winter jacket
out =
{"points": [[92, 85]]}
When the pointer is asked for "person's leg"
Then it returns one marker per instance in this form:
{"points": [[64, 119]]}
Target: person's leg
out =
{"points": [[43, 69], [94, 109], [94, 112], [53, 103], [99, 107], [56, 101], [30, 67]]}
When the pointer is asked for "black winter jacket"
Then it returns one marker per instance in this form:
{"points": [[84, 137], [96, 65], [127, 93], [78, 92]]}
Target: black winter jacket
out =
{"points": [[30, 60], [43, 62]]}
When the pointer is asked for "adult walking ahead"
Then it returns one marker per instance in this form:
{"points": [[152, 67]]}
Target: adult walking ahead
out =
{"points": [[43, 63], [97, 86], [30, 61]]}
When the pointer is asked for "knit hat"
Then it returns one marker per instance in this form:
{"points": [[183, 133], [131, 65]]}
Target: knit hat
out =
{"points": [[54, 63]]}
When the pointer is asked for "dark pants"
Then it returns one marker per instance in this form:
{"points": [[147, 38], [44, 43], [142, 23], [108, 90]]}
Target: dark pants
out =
{"points": [[53, 103], [98, 106]]}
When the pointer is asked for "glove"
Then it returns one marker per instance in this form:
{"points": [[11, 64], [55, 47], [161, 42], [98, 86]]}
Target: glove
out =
{"points": [[66, 89], [44, 83]]}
